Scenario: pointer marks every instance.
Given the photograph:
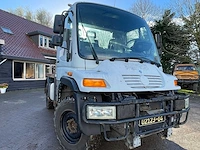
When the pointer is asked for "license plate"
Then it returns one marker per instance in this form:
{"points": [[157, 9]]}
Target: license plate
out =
{"points": [[152, 120]]}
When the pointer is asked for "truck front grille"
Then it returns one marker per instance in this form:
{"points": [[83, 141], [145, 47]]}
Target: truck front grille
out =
{"points": [[136, 81]]}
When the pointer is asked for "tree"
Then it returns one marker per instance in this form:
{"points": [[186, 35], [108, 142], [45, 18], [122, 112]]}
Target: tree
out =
{"points": [[29, 15], [145, 9], [174, 39], [192, 25], [41, 16], [184, 7], [189, 10], [19, 11]]}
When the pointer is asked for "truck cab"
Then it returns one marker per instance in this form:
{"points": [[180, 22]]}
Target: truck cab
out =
{"points": [[109, 80]]}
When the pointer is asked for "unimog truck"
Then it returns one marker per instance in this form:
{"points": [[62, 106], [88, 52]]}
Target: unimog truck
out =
{"points": [[187, 75], [109, 81]]}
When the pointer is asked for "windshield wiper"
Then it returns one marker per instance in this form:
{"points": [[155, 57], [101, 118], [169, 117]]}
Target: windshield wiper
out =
{"points": [[114, 58], [142, 59], [94, 54], [151, 61]]}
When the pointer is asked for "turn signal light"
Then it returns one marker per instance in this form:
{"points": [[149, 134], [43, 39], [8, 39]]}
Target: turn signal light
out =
{"points": [[69, 73], [175, 82], [88, 82]]}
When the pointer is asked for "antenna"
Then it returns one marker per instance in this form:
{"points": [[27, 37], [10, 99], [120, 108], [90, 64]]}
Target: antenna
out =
{"points": [[114, 2]]}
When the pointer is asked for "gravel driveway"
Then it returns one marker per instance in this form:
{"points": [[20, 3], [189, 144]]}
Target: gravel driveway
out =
{"points": [[25, 124]]}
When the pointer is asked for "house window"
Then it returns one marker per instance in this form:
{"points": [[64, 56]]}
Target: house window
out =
{"points": [[50, 69], [50, 45], [45, 42], [40, 71], [6, 30], [41, 40], [18, 70], [28, 71]]}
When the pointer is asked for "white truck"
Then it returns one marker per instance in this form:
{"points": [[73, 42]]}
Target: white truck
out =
{"points": [[109, 81]]}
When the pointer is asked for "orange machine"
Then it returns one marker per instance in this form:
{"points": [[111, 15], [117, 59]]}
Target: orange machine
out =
{"points": [[187, 75]]}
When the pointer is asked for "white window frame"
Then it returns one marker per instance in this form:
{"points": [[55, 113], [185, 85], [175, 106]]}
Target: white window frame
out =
{"points": [[24, 71], [43, 42], [51, 66], [41, 36]]}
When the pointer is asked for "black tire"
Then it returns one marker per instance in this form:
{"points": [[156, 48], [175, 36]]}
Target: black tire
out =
{"points": [[49, 103], [67, 129]]}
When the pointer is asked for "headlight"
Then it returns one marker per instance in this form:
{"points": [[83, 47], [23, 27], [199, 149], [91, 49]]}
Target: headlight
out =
{"points": [[181, 104], [187, 102], [101, 112]]}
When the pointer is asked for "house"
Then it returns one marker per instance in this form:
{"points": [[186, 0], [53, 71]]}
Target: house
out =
{"points": [[25, 54]]}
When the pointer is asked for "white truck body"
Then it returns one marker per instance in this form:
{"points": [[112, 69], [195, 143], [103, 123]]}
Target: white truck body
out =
{"points": [[109, 78]]}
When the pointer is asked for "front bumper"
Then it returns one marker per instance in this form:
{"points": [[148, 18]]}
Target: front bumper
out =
{"points": [[135, 105], [129, 111]]}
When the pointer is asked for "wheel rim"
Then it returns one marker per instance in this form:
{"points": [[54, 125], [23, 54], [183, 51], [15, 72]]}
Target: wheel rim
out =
{"points": [[69, 127]]}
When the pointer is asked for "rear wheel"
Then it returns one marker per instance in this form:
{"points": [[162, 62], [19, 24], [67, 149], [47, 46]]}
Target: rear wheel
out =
{"points": [[67, 127]]}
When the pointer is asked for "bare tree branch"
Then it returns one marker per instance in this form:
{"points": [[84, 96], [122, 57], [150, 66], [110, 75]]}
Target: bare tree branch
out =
{"points": [[146, 9], [41, 16]]}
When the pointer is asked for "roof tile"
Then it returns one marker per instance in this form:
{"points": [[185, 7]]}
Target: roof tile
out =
{"points": [[19, 43]]}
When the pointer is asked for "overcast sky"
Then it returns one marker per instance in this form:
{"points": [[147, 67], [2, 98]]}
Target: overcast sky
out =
{"points": [[56, 7]]}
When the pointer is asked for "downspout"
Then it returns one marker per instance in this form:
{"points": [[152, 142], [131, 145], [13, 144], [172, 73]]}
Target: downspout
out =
{"points": [[3, 61]]}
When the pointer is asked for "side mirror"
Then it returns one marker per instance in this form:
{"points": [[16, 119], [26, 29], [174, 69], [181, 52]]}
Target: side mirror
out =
{"points": [[56, 40], [158, 40], [59, 24]]}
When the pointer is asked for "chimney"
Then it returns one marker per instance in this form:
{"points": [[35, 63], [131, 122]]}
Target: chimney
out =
{"points": [[2, 42]]}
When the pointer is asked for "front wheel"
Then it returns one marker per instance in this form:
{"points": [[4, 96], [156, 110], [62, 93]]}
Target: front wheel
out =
{"points": [[67, 127]]}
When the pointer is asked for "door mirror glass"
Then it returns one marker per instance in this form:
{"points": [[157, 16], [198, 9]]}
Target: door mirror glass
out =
{"points": [[59, 24]]}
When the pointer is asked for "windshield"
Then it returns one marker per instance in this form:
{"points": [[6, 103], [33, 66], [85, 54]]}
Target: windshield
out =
{"points": [[113, 33], [182, 68]]}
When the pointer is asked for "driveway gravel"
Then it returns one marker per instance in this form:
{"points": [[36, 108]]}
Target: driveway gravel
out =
{"points": [[25, 124]]}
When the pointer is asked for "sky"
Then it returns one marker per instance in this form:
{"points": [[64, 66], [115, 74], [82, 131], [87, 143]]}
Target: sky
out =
{"points": [[56, 7]]}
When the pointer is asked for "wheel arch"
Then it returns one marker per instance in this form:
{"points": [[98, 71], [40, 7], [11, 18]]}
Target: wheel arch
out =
{"points": [[71, 83], [66, 87]]}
